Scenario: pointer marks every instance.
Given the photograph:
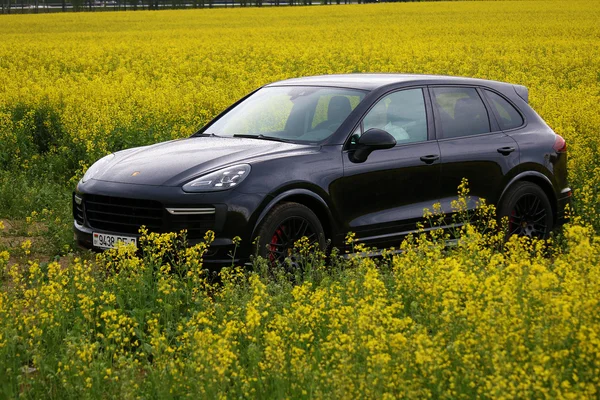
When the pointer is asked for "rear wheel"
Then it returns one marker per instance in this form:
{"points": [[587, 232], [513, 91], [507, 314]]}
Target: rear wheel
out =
{"points": [[528, 210], [285, 224]]}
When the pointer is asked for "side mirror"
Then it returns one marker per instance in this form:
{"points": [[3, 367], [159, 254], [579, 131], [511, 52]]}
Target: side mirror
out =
{"points": [[371, 140]]}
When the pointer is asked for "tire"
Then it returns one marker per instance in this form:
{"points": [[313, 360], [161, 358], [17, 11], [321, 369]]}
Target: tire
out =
{"points": [[283, 226], [528, 210]]}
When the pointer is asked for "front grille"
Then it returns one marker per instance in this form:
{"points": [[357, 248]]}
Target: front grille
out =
{"points": [[123, 215]]}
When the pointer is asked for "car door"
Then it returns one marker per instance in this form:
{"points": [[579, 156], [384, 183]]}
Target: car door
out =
{"points": [[384, 197], [471, 144]]}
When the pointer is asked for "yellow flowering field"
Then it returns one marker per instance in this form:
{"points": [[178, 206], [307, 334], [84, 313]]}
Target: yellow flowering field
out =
{"points": [[483, 319]]}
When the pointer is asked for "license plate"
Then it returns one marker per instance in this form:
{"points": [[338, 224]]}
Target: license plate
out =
{"points": [[107, 241]]}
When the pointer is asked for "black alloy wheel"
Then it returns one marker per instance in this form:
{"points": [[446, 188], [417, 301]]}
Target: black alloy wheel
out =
{"points": [[528, 210], [283, 226]]}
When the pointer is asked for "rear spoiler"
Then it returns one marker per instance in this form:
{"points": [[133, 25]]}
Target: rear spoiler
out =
{"points": [[523, 92]]}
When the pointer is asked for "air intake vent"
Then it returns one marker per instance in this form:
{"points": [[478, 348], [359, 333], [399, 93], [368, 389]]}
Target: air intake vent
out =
{"points": [[78, 209]]}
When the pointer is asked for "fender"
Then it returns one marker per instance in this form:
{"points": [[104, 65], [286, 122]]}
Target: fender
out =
{"points": [[283, 196], [520, 176]]}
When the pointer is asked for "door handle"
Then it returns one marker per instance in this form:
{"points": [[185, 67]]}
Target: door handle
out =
{"points": [[506, 150], [430, 158]]}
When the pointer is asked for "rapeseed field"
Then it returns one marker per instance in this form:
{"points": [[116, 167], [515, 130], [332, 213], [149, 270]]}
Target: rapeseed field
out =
{"points": [[483, 319]]}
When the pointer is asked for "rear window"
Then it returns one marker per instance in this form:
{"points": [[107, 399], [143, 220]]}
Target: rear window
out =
{"points": [[460, 111], [508, 116]]}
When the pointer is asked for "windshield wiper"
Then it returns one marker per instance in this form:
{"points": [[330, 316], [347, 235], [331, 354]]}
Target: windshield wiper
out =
{"points": [[263, 137], [206, 134]]}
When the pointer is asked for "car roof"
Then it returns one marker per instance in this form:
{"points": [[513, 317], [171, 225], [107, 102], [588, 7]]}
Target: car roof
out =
{"points": [[370, 81]]}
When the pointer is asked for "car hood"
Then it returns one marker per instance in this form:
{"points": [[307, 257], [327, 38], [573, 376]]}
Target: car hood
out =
{"points": [[176, 162]]}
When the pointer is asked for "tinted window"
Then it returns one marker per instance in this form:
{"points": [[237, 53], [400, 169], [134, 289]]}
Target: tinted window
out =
{"points": [[508, 116], [461, 111], [401, 114]]}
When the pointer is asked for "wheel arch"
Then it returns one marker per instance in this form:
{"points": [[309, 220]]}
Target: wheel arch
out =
{"points": [[307, 198], [540, 180]]}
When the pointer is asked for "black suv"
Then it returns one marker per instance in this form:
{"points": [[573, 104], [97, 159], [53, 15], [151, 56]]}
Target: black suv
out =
{"points": [[322, 156]]}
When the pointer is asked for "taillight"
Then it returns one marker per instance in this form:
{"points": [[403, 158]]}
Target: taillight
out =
{"points": [[560, 146]]}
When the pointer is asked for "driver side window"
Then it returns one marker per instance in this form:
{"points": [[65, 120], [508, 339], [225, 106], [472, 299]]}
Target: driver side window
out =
{"points": [[401, 114]]}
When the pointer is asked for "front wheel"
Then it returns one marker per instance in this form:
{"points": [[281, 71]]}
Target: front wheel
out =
{"points": [[528, 210], [285, 224]]}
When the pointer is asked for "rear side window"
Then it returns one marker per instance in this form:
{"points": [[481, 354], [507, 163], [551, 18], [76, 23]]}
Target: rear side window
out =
{"points": [[508, 116], [461, 111]]}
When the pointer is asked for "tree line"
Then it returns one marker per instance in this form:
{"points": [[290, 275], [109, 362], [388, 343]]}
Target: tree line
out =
{"points": [[44, 6]]}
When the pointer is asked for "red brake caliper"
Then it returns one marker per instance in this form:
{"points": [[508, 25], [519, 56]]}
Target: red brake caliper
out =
{"points": [[274, 241]]}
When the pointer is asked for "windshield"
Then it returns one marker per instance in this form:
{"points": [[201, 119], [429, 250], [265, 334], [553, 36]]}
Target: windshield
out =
{"points": [[294, 113]]}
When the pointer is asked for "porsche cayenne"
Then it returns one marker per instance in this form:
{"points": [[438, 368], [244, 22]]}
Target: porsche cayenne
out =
{"points": [[322, 156]]}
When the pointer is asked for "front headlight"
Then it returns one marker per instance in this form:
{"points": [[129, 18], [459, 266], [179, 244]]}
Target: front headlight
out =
{"points": [[222, 179], [96, 167]]}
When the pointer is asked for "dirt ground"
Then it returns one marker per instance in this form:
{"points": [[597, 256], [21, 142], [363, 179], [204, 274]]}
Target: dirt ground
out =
{"points": [[16, 232]]}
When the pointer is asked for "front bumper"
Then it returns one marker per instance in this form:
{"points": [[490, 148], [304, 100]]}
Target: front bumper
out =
{"points": [[220, 253], [234, 215]]}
